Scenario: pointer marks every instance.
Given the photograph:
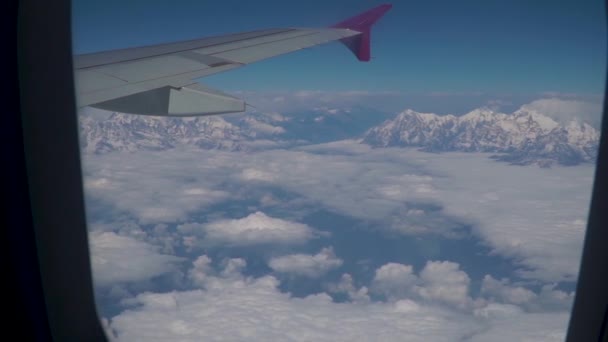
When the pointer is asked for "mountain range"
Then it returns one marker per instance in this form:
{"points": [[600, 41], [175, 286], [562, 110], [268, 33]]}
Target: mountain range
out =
{"points": [[236, 132], [523, 137]]}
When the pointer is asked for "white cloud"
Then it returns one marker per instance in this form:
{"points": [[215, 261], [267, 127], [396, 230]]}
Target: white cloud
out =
{"points": [[257, 228], [230, 306], [502, 290], [201, 268], [439, 281], [394, 280], [121, 259], [548, 299], [508, 323], [358, 184], [154, 187], [233, 267], [551, 299], [251, 174], [534, 216], [243, 308], [346, 285], [263, 127], [444, 281], [565, 110], [304, 100], [312, 266]]}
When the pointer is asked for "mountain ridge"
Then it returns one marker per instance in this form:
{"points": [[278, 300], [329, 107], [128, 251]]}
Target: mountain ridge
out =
{"points": [[523, 137]]}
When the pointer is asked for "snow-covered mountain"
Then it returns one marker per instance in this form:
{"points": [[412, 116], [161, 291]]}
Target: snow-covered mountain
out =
{"points": [[126, 132], [523, 137], [249, 131]]}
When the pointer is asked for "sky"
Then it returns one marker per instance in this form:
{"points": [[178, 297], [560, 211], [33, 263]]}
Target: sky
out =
{"points": [[459, 48]]}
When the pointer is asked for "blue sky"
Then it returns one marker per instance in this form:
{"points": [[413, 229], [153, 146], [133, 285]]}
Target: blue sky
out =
{"points": [[499, 47]]}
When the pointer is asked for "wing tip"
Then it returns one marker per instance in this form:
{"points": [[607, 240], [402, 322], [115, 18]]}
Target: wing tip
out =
{"points": [[360, 44]]}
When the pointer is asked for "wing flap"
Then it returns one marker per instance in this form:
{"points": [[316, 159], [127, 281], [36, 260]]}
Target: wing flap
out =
{"points": [[191, 100], [94, 96]]}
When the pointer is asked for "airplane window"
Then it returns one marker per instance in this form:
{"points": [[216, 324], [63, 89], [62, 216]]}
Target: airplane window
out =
{"points": [[345, 170]]}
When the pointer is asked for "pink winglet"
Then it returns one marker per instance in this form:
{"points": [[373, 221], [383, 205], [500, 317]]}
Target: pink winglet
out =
{"points": [[360, 44]]}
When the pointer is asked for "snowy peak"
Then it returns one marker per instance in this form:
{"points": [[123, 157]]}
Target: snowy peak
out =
{"points": [[536, 119], [253, 130], [523, 137], [126, 132]]}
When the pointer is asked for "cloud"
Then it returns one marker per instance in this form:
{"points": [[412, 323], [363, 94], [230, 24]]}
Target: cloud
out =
{"points": [[565, 110], [443, 281], [503, 291], [153, 187], [359, 184], [306, 100], [245, 308], [585, 106], [121, 259], [551, 299], [230, 306], [346, 285], [201, 269], [394, 280], [508, 323], [312, 266], [263, 127], [440, 102], [536, 217], [548, 299], [438, 281], [254, 229]]}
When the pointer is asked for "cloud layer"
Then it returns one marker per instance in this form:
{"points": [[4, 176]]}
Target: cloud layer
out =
{"points": [[312, 266], [154, 188], [228, 305], [565, 110], [534, 216], [254, 229], [120, 259]]}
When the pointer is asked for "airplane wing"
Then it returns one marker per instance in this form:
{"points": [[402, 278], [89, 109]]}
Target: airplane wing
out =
{"points": [[158, 79]]}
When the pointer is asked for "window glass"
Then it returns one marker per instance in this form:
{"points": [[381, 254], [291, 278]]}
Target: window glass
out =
{"points": [[439, 191]]}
